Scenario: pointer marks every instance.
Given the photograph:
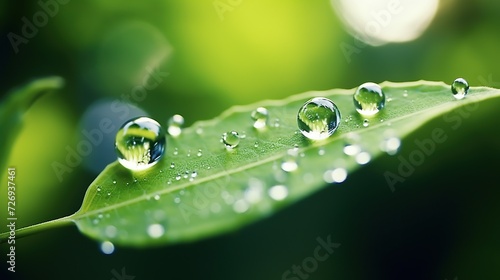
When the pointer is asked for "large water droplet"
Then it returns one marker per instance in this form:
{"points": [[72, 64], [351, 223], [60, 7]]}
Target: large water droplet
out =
{"points": [[231, 139], [459, 88], [260, 116], [156, 230], [174, 125], [140, 143], [369, 99], [107, 247], [318, 118]]}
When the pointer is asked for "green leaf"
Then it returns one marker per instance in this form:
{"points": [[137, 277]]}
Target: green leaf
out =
{"points": [[13, 107], [231, 188]]}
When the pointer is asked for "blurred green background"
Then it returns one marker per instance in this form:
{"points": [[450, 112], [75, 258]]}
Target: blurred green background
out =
{"points": [[199, 58]]}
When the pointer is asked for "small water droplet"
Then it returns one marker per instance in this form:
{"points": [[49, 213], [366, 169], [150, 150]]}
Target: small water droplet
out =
{"points": [[114, 181], [459, 88], [278, 192], [140, 143], [321, 151], [178, 177], [276, 123], [110, 231], [98, 188], [157, 197], [289, 163], [172, 165], [366, 123], [174, 125], [363, 158], [256, 144], [156, 230], [194, 174], [240, 206], [369, 99], [318, 118], [186, 174], [176, 151], [200, 153], [253, 193], [107, 247], [260, 117], [199, 130], [352, 147], [231, 139], [337, 175], [389, 99], [177, 199], [189, 153], [390, 145]]}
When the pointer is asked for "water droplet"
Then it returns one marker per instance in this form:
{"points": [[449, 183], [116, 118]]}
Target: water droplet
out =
{"points": [[107, 247], [240, 206], [110, 231], [363, 158], [176, 151], [200, 153], [114, 181], [260, 116], [231, 139], [337, 175], [369, 99], [178, 177], [189, 153], [186, 174], [177, 199], [199, 130], [318, 118], [459, 88], [321, 151], [172, 165], [157, 197], [278, 192], [256, 145], [351, 147], [405, 93], [156, 230], [390, 145], [174, 125], [289, 163], [366, 123], [276, 123], [98, 188], [253, 193], [140, 143], [194, 174]]}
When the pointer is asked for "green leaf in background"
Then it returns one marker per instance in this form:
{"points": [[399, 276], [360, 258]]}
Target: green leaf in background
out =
{"points": [[200, 189], [16, 103]]}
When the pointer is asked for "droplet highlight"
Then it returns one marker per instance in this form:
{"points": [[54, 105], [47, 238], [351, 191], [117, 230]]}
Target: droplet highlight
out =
{"points": [[459, 88], [318, 118], [369, 99], [156, 230], [140, 143], [175, 124]]}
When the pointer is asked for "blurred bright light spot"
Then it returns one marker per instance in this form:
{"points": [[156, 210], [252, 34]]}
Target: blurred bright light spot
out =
{"points": [[377, 22]]}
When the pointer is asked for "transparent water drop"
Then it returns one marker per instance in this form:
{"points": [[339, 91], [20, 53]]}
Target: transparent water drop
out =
{"points": [[156, 230], [391, 145], [140, 143], [176, 151], [276, 123], [177, 199], [240, 206], [200, 153], [199, 130], [186, 175], [172, 165], [278, 192], [110, 231], [231, 139], [174, 125], [178, 177], [337, 175], [98, 188], [107, 247], [289, 163], [256, 144], [194, 174], [188, 153], [459, 88], [114, 181], [157, 197], [363, 158], [352, 147], [321, 151], [260, 117], [369, 99], [366, 123], [318, 118]]}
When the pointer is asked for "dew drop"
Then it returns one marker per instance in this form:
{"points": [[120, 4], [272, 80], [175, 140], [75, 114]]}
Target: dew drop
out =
{"points": [[107, 247], [366, 123], [178, 177], [114, 181], [321, 151], [363, 158], [352, 147], [260, 117], [174, 125], [157, 197], [200, 153], [176, 151], [277, 123], [459, 88], [110, 231], [231, 139], [256, 144], [140, 143], [240, 206], [289, 163], [186, 174], [177, 199], [318, 118], [172, 165], [337, 175], [156, 230], [194, 174], [98, 189], [369, 99], [278, 192], [390, 145]]}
